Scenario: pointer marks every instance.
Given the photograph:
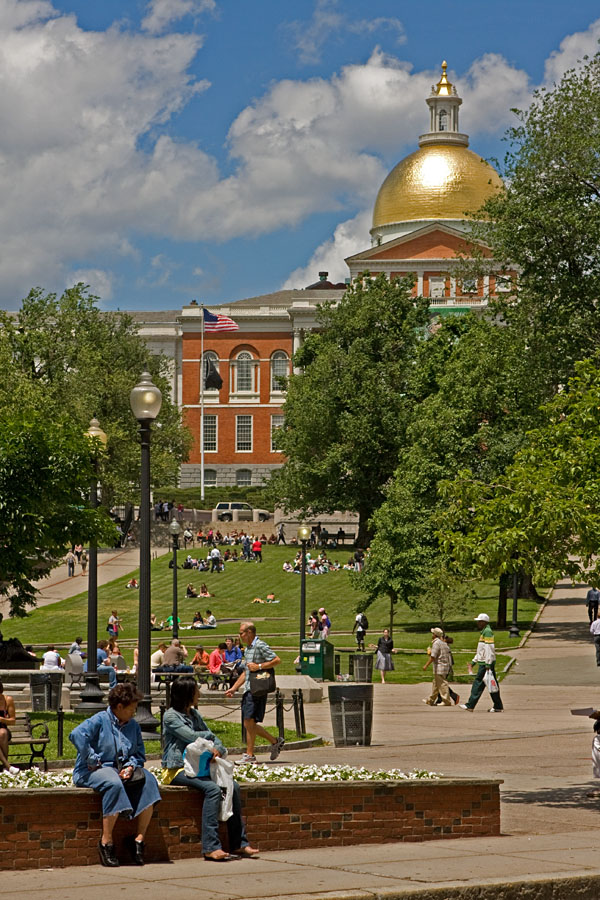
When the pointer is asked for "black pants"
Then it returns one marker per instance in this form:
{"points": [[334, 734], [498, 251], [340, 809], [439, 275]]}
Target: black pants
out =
{"points": [[597, 643], [593, 610]]}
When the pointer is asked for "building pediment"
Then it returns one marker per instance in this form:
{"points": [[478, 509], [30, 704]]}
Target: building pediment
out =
{"points": [[434, 241]]}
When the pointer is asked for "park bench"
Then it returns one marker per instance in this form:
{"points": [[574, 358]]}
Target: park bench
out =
{"points": [[23, 733]]}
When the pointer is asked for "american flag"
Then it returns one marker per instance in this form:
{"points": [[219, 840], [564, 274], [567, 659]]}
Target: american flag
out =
{"points": [[217, 322]]}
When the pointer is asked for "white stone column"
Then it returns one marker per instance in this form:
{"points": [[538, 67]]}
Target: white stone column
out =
{"points": [[420, 284], [297, 341]]}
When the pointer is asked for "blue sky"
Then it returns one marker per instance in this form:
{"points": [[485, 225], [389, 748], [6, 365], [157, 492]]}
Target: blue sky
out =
{"points": [[168, 149]]}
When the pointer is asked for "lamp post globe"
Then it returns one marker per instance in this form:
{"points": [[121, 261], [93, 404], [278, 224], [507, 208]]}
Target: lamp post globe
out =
{"points": [[175, 531], [304, 532], [92, 696], [145, 401]]}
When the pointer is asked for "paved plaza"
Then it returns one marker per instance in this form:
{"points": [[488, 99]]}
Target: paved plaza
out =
{"points": [[549, 826]]}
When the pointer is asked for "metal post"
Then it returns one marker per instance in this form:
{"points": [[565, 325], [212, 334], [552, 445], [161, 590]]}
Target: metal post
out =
{"points": [[296, 713], [514, 628], [92, 695], [279, 713], [301, 710], [175, 615], [302, 595], [60, 731], [144, 716]]}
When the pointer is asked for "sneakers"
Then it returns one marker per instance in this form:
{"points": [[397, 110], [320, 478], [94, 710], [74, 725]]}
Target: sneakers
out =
{"points": [[13, 770], [277, 747], [464, 706], [245, 760], [426, 702], [493, 709]]}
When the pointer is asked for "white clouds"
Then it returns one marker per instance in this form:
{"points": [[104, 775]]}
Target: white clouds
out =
{"points": [[349, 237], [572, 49], [162, 13], [329, 24], [99, 281]]}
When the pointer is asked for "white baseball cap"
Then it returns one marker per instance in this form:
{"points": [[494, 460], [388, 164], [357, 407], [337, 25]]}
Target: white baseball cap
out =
{"points": [[482, 617]]}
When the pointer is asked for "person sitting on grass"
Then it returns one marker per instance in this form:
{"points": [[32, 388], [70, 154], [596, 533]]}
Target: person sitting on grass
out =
{"points": [[190, 590], [210, 621], [287, 566], [197, 621], [132, 584], [204, 591]]}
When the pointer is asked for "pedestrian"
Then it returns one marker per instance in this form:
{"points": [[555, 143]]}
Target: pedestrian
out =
{"points": [[257, 549], [325, 624], [258, 656], [114, 624], [485, 657], [595, 631], [281, 534], [361, 624], [78, 551], [70, 560], [453, 695], [215, 559], [439, 655], [385, 648], [592, 598], [84, 562]]}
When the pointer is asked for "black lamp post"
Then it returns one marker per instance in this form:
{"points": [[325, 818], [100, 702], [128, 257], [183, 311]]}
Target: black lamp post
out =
{"points": [[145, 400], [92, 696], [303, 536], [514, 628], [175, 529]]}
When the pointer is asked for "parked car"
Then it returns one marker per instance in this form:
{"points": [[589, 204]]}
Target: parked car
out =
{"points": [[224, 512]]}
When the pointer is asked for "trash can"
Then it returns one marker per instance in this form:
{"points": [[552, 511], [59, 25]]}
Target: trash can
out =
{"points": [[361, 665], [316, 660], [351, 709], [46, 689]]}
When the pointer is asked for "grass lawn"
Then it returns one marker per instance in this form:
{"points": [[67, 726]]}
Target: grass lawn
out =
{"points": [[229, 731], [278, 623]]}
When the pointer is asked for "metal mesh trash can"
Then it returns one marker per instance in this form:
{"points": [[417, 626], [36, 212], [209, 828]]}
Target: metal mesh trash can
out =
{"points": [[361, 664], [351, 710], [46, 689]]}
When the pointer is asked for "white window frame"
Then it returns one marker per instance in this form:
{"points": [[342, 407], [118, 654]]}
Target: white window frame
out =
{"points": [[216, 419], [278, 356], [275, 427], [244, 483], [252, 395], [237, 433], [437, 281], [208, 481]]}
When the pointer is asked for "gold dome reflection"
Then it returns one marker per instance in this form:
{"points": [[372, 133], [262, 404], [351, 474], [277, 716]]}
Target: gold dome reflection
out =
{"points": [[439, 181]]}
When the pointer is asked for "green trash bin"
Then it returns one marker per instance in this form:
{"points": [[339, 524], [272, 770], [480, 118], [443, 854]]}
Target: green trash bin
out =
{"points": [[316, 660]]}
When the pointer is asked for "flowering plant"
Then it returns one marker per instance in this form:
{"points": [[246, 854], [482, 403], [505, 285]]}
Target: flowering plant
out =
{"points": [[35, 778], [253, 773]]}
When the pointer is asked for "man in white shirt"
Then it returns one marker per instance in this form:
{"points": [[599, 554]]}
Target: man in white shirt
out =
{"points": [[595, 631]]}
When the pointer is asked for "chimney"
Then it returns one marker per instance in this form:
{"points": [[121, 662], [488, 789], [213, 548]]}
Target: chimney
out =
{"points": [[323, 276]]}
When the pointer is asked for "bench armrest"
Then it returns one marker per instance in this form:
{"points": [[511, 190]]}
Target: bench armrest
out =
{"points": [[43, 726]]}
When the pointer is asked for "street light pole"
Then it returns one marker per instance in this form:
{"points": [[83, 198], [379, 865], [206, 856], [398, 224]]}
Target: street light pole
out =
{"points": [[303, 536], [145, 400], [92, 696], [175, 529]]}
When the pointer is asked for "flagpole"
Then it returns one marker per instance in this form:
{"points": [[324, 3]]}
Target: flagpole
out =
{"points": [[202, 408]]}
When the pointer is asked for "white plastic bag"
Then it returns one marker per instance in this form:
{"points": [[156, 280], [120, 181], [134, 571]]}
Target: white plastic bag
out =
{"points": [[596, 756], [195, 757], [490, 682], [221, 772]]}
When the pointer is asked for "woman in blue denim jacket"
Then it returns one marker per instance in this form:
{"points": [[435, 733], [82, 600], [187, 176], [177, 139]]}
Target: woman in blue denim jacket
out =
{"points": [[182, 724], [110, 750]]}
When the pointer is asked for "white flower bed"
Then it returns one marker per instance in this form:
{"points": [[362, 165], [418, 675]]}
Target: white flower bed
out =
{"points": [[248, 774]]}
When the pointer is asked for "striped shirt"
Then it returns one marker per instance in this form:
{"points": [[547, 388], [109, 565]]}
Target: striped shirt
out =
{"points": [[257, 652]]}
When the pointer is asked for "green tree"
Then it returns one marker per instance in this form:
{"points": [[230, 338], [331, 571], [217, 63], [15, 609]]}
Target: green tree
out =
{"points": [[543, 514], [346, 413], [65, 356], [45, 475]]}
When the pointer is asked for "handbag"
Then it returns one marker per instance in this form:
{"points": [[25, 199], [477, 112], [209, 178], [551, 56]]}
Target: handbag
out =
{"points": [[262, 682]]}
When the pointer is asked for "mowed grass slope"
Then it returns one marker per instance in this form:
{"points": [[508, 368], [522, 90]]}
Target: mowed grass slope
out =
{"points": [[234, 591]]}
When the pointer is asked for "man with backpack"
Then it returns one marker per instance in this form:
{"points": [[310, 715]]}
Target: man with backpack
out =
{"points": [[361, 626]]}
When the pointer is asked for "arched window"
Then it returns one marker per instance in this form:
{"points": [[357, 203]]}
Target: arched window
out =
{"points": [[244, 372], [210, 477], [210, 357], [443, 120], [243, 477], [279, 370]]}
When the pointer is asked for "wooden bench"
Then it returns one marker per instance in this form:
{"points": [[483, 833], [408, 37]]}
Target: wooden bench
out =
{"points": [[23, 732]]}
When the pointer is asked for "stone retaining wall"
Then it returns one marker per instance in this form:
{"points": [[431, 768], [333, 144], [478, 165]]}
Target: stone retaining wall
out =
{"points": [[45, 828]]}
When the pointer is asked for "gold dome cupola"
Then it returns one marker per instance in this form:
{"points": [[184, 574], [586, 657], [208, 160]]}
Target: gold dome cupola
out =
{"points": [[442, 181]]}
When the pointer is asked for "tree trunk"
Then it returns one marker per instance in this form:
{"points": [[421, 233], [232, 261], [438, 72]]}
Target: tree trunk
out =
{"points": [[527, 588], [393, 600], [502, 600], [365, 533]]}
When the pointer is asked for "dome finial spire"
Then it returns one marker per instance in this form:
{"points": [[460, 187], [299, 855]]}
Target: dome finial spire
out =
{"points": [[444, 87]]}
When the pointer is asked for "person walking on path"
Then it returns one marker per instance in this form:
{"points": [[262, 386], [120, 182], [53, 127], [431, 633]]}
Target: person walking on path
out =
{"points": [[361, 624], [70, 559], [592, 598], [485, 657], [595, 632], [442, 662], [385, 648], [257, 656], [281, 534]]}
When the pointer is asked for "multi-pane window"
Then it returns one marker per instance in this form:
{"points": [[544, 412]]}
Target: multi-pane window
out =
{"points": [[469, 285], [437, 287], [244, 372], [279, 370], [443, 120], [243, 477], [276, 422], [243, 433], [210, 477], [210, 433]]}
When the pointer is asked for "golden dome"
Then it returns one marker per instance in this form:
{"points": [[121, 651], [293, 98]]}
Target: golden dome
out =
{"points": [[438, 181]]}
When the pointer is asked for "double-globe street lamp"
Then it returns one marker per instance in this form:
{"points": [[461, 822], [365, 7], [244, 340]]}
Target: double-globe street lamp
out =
{"points": [[92, 696], [145, 400], [304, 532], [175, 530]]}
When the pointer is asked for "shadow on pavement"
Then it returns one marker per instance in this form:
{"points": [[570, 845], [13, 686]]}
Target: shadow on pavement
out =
{"points": [[559, 798]]}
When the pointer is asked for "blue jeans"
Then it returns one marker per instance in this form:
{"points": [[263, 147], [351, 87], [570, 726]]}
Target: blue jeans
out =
{"points": [[210, 813], [106, 781]]}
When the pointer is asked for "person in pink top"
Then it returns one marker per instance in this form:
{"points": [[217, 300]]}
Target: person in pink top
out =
{"points": [[215, 661]]}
